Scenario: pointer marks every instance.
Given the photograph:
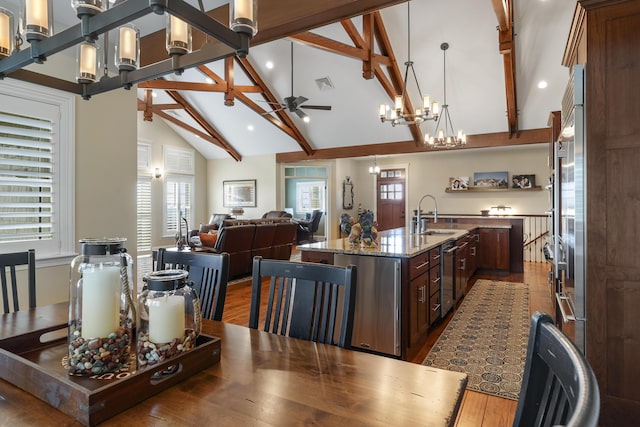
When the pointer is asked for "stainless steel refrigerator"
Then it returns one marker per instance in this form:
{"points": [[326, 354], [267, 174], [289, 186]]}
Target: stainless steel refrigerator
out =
{"points": [[569, 213]]}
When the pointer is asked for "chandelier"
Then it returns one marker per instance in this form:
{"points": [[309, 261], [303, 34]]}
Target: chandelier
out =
{"points": [[374, 169], [96, 19], [445, 137], [397, 115]]}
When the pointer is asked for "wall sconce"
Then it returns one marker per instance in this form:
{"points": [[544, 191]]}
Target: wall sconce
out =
{"points": [[500, 210], [157, 173]]}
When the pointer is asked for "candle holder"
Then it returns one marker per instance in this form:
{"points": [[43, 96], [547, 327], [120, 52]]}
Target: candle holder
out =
{"points": [[101, 309], [170, 318]]}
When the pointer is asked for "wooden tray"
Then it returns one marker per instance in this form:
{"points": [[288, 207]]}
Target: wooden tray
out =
{"points": [[36, 367]]}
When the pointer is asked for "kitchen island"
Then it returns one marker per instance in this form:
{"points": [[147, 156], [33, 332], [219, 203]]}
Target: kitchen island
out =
{"points": [[398, 291], [404, 282]]}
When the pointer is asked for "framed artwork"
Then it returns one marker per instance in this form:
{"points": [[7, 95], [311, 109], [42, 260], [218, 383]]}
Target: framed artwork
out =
{"points": [[491, 179], [239, 193], [459, 182], [523, 181]]}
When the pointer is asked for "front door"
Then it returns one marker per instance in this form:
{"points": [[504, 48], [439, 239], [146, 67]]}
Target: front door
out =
{"points": [[391, 199]]}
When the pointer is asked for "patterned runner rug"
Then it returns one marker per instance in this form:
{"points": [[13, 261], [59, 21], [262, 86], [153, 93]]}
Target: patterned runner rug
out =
{"points": [[487, 338]]}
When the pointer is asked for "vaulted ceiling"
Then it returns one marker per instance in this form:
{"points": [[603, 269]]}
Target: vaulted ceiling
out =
{"points": [[350, 54]]}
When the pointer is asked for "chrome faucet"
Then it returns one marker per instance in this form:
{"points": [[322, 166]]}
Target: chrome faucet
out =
{"points": [[419, 213]]}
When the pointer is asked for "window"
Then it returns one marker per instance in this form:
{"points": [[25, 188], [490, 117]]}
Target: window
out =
{"points": [[36, 170], [144, 258], [310, 195], [178, 189]]}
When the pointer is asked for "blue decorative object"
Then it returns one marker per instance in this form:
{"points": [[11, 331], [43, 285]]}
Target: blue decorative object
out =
{"points": [[345, 224]]}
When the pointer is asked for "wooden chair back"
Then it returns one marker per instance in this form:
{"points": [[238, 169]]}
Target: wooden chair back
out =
{"points": [[315, 302], [209, 273], [8, 263], [559, 387]]}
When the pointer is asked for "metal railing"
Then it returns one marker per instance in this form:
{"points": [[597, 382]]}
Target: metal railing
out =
{"points": [[536, 234]]}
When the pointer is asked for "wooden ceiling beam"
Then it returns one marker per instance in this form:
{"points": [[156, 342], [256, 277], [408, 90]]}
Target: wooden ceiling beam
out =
{"points": [[506, 44], [251, 72], [499, 139], [339, 48], [204, 124], [191, 129]]}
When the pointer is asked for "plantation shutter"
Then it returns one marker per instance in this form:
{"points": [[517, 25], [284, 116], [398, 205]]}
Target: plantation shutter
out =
{"points": [[144, 213], [26, 178]]}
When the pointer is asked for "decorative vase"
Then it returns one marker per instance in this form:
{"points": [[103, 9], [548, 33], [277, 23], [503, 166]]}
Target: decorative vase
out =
{"points": [[101, 310], [170, 318]]}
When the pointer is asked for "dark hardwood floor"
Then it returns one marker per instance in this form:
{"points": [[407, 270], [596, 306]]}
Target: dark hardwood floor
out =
{"points": [[478, 409]]}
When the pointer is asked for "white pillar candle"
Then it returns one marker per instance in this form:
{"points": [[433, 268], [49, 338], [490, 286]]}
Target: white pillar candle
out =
{"points": [[37, 13], [100, 301], [243, 9], [5, 34], [179, 31], [127, 45], [166, 318]]}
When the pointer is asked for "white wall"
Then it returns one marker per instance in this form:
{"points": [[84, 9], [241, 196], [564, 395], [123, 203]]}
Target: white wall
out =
{"points": [[261, 168], [428, 173], [159, 134]]}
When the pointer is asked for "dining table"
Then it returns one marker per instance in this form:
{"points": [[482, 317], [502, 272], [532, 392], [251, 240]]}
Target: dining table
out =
{"points": [[261, 379]]}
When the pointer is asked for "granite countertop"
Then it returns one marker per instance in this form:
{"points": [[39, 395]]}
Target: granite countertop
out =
{"points": [[398, 242], [391, 243]]}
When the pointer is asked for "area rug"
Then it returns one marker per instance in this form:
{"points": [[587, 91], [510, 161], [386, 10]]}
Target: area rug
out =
{"points": [[487, 338]]}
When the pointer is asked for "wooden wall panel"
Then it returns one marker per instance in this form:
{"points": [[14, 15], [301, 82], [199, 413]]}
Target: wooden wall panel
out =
{"points": [[612, 200]]}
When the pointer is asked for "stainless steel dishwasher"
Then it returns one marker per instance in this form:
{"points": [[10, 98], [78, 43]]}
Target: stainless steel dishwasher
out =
{"points": [[376, 325]]}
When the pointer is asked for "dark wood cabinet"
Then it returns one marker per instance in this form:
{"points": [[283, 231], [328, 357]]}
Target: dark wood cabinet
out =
{"points": [[604, 36], [493, 249], [462, 278], [472, 264], [435, 281], [424, 295]]}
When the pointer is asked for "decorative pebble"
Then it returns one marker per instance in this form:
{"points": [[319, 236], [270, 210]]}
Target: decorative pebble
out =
{"points": [[98, 355]]}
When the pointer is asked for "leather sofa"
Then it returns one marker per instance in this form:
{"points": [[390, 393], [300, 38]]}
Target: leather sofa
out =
{"points": [[243, 242], [276, 214]]}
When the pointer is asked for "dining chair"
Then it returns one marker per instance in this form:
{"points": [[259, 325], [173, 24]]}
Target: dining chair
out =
{"points": [[315, 302], [9, 262], [558, 387], [209, 273]]}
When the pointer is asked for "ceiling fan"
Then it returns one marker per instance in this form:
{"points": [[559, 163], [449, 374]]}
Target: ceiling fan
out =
{"points": [[294, 103]]}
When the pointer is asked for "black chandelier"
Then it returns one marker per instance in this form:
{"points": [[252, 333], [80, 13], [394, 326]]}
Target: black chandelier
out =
{"points": [[97, 18], [397, 115], [445, 136]]}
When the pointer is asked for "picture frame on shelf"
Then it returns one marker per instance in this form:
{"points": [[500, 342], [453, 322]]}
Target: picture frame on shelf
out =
{"points": [[459, 182], [523, 181], [491, 179], [240, 193]]}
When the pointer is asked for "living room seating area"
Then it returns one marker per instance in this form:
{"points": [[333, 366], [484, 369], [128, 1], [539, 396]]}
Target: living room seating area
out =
{"points": [[243, 240]]}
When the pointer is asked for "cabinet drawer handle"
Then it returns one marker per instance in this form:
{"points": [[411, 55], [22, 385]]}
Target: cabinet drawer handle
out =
{"points": [[422, 296], [436, 307], [436, 280], [424, 264], [435, 257], [464, 244]]}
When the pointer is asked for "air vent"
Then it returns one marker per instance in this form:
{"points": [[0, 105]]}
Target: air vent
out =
{"points": [[324, 83]]}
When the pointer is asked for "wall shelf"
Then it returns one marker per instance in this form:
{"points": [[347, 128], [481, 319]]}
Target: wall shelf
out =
{"points": [[490, 189]]}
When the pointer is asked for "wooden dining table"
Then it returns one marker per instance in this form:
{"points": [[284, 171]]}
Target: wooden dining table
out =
{"points": [[262, 379]]}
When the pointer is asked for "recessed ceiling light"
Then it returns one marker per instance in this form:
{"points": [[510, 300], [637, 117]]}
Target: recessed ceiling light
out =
{"points": [[269, 65], [209, 80], [542, 84], [153, 93], [306, 119], [250, 127]]}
